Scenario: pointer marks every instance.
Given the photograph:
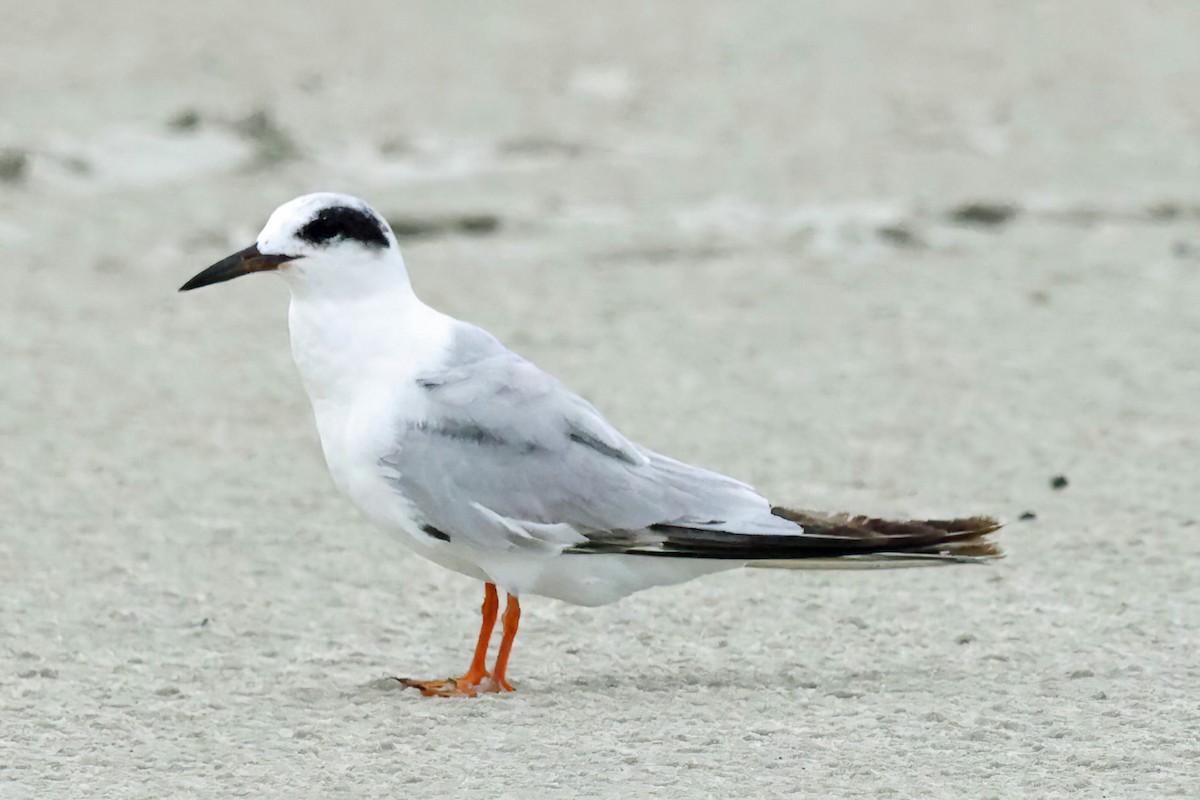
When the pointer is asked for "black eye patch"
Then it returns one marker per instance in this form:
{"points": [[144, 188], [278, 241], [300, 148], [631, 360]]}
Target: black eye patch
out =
{"points": [[343, 222]]}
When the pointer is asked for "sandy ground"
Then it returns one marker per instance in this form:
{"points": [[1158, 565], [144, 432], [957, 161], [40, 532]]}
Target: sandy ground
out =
{"points": [[746, 233]]}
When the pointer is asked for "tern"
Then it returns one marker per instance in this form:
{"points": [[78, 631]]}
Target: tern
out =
{"points": [[483, 463]]}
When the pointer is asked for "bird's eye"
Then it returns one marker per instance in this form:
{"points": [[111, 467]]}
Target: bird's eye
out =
{"points": [[342, 222]]}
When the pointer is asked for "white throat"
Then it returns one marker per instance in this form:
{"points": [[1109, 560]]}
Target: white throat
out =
{"points": [[356, 326]]}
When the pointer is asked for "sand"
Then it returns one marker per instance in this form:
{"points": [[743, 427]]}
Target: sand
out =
{"points": [[903, 259]]}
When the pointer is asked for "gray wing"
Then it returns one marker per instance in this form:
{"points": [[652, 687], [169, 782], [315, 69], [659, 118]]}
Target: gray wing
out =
{"points": [[508, 458]]}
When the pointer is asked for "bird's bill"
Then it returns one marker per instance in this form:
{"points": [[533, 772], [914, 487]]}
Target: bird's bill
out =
{"points": [[240, 263]]}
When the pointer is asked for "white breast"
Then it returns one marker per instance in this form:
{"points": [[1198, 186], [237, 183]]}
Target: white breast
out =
{"points": [[359, 368]]}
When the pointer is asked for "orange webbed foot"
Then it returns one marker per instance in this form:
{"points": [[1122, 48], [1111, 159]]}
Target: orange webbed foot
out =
{"points": [[457, 687], [478, 679], [449, 687]]}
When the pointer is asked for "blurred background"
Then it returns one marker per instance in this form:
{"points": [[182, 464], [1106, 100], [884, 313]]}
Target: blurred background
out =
{"points": [[902, 258]]}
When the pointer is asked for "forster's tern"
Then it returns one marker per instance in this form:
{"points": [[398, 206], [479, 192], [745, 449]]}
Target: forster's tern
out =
{"points": [[486, 465]]}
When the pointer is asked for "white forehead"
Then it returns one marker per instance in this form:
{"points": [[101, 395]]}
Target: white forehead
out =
{"points": [[280, 231]]}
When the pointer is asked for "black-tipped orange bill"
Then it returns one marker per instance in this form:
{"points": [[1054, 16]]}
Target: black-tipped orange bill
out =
{"points": [[240, 263]]}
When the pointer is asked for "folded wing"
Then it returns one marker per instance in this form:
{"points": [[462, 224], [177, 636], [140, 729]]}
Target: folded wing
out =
{"points": [[507, 458]]}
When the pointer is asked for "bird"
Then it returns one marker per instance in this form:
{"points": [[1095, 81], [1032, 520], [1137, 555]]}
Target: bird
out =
{"points": [[484, 464]]}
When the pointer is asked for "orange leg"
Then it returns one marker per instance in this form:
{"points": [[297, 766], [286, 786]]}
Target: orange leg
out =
{"points": [[469, 683], [478, 669], [512, 617]]}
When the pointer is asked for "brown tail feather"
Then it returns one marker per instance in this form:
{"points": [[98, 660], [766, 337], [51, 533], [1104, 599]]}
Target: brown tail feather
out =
{"points": [[965, 537], [848, 540]]}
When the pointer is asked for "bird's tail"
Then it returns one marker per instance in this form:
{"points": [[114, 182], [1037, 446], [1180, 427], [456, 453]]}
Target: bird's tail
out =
{"points": [[836, 541], [842, 541]]}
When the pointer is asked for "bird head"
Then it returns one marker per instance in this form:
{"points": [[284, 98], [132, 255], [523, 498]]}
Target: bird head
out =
{"points": [[332, 242]]}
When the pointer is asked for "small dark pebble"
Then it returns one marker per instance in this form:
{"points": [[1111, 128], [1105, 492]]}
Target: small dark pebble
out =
{"points": [[1027, 515], [418, 227], [899, 235], [1059, 482], [204, 622], [988, 214], [14, 165], [186, 120]]}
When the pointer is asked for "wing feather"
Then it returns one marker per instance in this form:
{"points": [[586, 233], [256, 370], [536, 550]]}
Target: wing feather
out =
{"points": [[506, 457]]}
